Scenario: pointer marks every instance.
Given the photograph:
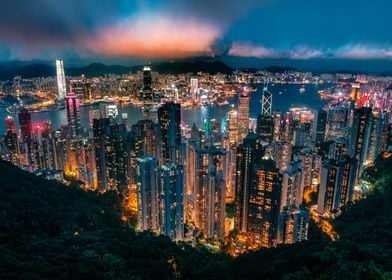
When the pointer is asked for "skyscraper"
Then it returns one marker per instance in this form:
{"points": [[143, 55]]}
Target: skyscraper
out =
{"points": [[265, 128], [336, 184], [147, 84], [266, 103], [243, 116], [10, 124], [248, 154], [264, 203], [61, 86], [146, 180], [25, 125], [293, 225], [337, 121], [146, 138], [73, 115], [171, 201], [359, 137], [169, 133]]}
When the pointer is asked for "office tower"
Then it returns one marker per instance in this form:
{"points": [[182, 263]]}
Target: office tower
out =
{"points": [[282, 152], [146, 138], [248, 153], [264, 203], [266, 103], [61, 86], [112, 112], [216, 204], [171, 201], [299, 137], [243, 116], [25, 124], [336, 184], [292, 185], [337, 122], [265, 128], [73, 115], [10, 124], [147, 84], [232, 128], [169, 133], [293, 225], [359, 137], [194, 88], [147, 185], [338, 148], [321, 126]]}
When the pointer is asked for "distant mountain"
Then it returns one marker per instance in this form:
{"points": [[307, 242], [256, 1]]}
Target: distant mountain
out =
{"points": [[8, 72], [278, 69]]}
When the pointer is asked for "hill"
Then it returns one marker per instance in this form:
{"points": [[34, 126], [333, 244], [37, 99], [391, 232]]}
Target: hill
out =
{"points": [[9, 71], [52, 231]]}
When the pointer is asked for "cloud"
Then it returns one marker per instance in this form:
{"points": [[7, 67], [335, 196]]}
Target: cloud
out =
{"points": [[154, 36], [259, 51], [303, 52], [88, 26], [363, 51], [251, 50]]}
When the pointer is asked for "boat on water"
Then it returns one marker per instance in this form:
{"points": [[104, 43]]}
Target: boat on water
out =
{"points": [[302, 89]]}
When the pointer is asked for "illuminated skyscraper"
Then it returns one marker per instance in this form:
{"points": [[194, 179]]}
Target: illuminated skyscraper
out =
{"points": [[243, 116], [264, 203], [11, 140], [293, 225], [147, 84], [208, 189], [73, 115], [216, 204], [171, 201], [266, 103], [232, 128], [10, 124], [248, 154], [61, 86], [194, 88], [146, 138], [320, 127], [359, 137], [336, 184], [147, 185], [292, 185], [25, 125], [265, 128], [337, 121], [169, 133]]}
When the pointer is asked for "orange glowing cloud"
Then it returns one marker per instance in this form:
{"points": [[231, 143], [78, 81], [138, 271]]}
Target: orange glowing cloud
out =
{"points": [[155, 36]]}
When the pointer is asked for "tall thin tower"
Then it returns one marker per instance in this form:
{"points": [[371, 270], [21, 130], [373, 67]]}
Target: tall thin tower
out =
{"points": [[266, 103], [60, 79]]}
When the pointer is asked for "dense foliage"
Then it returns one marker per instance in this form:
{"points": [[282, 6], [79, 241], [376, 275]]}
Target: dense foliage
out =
{"points": [[52, 231]]}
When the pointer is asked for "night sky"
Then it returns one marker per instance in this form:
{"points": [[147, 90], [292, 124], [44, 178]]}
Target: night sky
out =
{"points": [[293, 32]]}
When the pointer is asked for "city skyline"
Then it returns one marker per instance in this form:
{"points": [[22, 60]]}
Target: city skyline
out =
{"points": [[197, 162]]}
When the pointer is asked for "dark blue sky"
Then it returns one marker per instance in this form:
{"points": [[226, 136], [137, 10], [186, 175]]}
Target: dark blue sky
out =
{"points": [[336, 34]]}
